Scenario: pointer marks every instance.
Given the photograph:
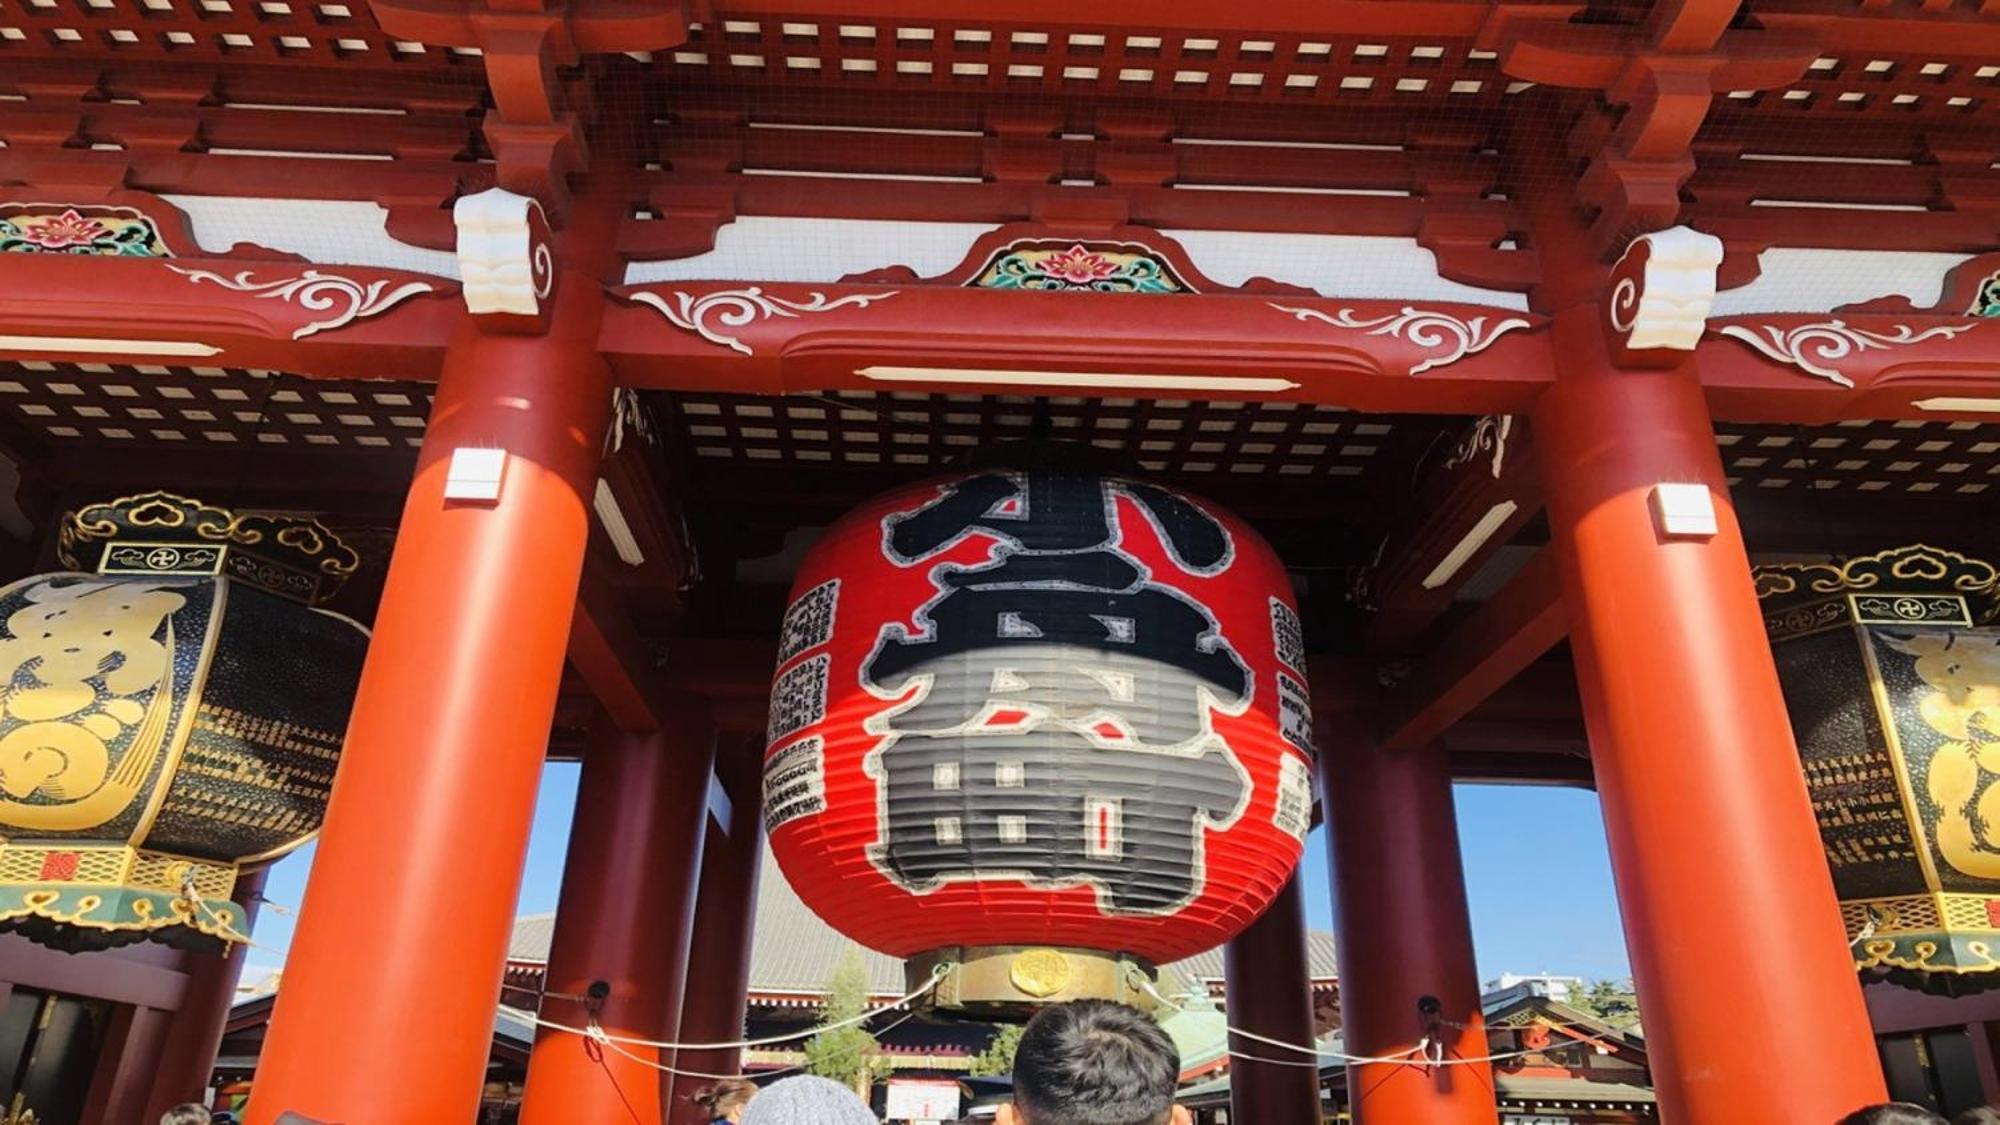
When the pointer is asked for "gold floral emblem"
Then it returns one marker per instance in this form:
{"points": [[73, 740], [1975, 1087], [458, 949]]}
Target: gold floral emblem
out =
{"points": [[1039, 972]]}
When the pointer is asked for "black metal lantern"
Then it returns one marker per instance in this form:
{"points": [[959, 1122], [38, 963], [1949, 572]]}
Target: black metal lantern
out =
{"points": [[1891, 671], [169, 712]]}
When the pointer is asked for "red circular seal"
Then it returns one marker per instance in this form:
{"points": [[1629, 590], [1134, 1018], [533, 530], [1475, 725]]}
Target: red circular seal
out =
{"points": [[1047, 708]]}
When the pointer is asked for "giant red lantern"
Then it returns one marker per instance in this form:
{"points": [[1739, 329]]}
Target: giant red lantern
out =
{"points": [[1052, 724]]}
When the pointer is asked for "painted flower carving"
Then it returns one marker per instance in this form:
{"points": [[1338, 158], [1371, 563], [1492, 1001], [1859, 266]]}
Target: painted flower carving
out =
{"points": [[105, 231], [66, 230], [1078, 266]]}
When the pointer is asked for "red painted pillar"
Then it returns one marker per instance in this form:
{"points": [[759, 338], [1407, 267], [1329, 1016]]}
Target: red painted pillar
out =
{"points": [[718, 970], [1270, 994], [386, 1013], [623, 919], [1403, 936], [187, 1062], [135, 1038], [1713, 842]]}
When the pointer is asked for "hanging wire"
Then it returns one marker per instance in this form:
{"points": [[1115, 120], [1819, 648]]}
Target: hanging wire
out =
{"points": [[937, 977], [1248, 1057], [596, 1034], [1424, 1046], [606, 1042], [278, 908], [229, 932], [1427, 1052]]}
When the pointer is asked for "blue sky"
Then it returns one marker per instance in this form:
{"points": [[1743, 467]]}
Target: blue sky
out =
{"points": [[1536, 873]]}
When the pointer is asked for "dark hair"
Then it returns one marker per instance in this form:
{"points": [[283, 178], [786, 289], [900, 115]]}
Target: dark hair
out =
{"points": [[1893, 1113], [1093, 1062], [725, 1096], [186, 1113]]}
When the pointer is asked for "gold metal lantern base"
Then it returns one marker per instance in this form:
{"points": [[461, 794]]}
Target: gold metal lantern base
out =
{"points": [[1015, 980], [87, 897]]}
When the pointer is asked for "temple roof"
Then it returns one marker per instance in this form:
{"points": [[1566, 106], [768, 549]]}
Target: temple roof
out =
{"points": [[796, 952], [1517, 1089]]}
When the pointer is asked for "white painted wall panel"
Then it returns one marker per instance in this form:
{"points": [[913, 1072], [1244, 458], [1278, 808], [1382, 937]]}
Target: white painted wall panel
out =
{"points": [[1803, 280], [334, 232]]}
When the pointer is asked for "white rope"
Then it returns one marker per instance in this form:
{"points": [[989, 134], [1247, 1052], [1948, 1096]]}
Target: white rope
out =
{"points": [[1248, 1057], [1431, 1049], [937, 977], [277, 907], [1316, 1052], [605, 1041], [598, 1035], [222, 923]]}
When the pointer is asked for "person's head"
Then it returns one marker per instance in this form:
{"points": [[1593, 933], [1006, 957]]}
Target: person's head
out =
{"points": [[1893, 1113], [1093, 1062], [1984, 1115], [187, 1113], [807, 1100], [726, 1100]]}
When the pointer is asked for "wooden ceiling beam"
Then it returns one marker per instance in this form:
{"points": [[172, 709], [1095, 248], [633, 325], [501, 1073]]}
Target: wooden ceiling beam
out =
{"points": [[722, 669], [151, 310], [1689, 25], [1956, 31], [1485, 767], [640, 522], [607, 653], [1468, 505], [1358, 354], [1501, 638]]}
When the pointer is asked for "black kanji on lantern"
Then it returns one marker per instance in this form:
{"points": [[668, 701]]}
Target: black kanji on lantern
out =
{"points": [[1049, 512], [1062, 729], [1055, 807]]}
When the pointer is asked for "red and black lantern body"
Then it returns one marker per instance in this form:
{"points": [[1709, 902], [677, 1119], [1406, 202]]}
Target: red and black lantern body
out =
{"points": [[1039, 708]]}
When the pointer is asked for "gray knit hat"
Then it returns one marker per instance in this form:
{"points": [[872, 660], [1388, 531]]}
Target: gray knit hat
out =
{"points": [[807, 1100]]}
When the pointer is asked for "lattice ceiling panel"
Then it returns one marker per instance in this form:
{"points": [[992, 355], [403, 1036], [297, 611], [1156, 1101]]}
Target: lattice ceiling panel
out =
{"points": [[146, 405], [920, 55], [915, 431], [250, 30], [1907, 458], [1847, 86]]}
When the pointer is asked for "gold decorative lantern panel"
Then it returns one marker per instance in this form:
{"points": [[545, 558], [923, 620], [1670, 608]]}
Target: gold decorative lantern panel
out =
{"points": [[170, 710], [1891, 671]]}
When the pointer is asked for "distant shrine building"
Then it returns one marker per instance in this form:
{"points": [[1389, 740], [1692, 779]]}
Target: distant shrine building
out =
{"points": [[991, 480]]}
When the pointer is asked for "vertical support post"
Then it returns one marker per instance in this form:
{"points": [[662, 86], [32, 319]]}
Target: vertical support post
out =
{"points": [[622, 920], [133, 1043], [718, 969], [1712, 836], [387, 1008], [187, 1063], [1404, 937], [1270, 994]]}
